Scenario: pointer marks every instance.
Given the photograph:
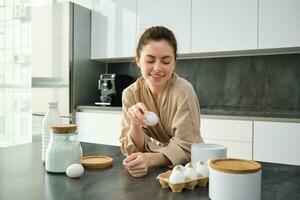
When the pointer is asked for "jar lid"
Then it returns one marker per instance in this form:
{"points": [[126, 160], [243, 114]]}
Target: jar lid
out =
{"points": [[64, 128], [235, 166], [96, 162]]}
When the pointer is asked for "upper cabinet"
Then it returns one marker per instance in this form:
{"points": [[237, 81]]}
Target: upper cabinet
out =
{"points": [[199, 25], [279, 24], [113, 32], [224, 25], [175, 15]]}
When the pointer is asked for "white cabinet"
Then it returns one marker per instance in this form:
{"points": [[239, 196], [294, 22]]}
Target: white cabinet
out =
{"points": [[279, 24], [224, 25], [175, 15], [235, 134], [113, 33], [99, 127], [277, 142]]}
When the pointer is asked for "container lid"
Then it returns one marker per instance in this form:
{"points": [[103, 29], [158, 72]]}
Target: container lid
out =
{"points": [[96, 162], [64, 128], [235, 166]]}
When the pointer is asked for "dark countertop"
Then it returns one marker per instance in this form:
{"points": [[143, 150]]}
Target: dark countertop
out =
{"points": [[220, 113], [22, 176]]}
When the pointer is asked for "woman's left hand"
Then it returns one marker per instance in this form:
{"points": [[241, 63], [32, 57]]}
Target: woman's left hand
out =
{"points": [[136, 164]]}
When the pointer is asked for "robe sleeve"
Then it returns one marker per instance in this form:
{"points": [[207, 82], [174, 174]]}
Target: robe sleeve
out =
{"points": [[127, 145], [186, 129]]}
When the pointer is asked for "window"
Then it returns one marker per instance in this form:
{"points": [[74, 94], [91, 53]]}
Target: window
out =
{"points": [[2, 128], [15, 92]]}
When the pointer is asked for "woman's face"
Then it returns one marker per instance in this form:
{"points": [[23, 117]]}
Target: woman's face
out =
{"points": [[157, 63]]}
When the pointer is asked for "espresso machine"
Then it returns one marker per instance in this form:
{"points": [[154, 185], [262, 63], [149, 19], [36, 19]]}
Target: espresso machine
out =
{"points": [[111, 87]]}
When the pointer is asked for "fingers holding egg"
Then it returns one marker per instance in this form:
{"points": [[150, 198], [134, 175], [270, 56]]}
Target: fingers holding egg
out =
{"points": [[136, 115]]}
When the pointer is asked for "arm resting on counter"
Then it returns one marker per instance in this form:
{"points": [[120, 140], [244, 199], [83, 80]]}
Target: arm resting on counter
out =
{"points": [[157, 159], [138, 163]]}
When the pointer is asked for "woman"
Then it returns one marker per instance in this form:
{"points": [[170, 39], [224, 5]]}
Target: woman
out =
{"points": [[171, 97]]}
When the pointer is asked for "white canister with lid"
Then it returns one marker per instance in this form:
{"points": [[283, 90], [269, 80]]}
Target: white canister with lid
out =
{"points": [[206, 151], [234, 179], [64, 148]]}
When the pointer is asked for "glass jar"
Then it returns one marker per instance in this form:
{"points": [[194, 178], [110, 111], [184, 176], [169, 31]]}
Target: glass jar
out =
{"points": [[63, 149]]}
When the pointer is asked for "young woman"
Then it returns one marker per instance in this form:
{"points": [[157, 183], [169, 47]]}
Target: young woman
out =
{"points": [[163, 92]]}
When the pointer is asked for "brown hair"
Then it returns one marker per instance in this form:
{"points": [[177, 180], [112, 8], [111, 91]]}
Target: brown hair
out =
{"points": [[157, 33]]}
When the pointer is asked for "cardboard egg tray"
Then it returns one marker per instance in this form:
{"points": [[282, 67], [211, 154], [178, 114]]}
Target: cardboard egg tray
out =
{"points": [[178, 187]]}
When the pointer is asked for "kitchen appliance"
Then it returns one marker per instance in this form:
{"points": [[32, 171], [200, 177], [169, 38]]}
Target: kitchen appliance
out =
{"points": [[234, 179], [111, 87]]}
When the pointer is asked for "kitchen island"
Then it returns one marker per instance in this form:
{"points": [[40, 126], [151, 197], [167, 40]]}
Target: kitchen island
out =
{"points": [[22, 176]]}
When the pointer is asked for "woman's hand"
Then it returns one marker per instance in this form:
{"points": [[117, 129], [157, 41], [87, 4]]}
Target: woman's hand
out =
{"points": [[136, 164], [136, 113]]}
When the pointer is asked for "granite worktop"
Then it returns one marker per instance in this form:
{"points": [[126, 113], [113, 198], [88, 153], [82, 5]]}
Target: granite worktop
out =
{"points": [[220, 113], [22, 176]]}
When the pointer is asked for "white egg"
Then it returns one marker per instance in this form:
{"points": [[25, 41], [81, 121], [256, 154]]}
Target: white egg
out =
{"points": [[176, 177], [200, 163], [190, 172], [178, 168], [150, 118], [74, 170], [202, 169], [188, 165]]}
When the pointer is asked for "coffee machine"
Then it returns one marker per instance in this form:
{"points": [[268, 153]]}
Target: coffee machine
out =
{"points": [[111, 87]]}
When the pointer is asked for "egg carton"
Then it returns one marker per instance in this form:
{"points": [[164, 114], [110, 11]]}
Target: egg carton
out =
{"points": [[188, 184]]}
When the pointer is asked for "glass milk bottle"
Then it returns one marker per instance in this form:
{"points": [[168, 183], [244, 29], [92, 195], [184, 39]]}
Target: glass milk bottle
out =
{"points": [[51, 117], [63, 149]]}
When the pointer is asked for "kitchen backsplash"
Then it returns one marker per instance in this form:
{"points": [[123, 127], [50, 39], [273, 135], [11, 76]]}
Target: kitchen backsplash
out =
{"points": [[245, 86]]}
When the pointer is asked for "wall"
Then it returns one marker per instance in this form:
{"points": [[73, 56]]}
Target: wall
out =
{"points": [[267, 86]]}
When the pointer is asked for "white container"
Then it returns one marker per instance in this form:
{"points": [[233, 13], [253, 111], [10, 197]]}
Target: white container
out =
{"points": [[205, 152], [51, 117], [234, 179], [63, 149]]}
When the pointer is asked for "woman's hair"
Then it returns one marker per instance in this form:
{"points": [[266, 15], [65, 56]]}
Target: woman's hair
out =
{"points": [[157, 33]]}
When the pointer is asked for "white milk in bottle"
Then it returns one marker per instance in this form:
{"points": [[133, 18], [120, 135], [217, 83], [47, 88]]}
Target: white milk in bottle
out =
{"points": [[51, 117]]}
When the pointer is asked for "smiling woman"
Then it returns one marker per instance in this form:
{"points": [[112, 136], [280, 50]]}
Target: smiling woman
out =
{"points": [[169, 96]]}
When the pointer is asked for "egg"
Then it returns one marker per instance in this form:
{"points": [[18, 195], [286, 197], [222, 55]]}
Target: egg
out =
{"points": [[178, 168], [190, 172], [188, 165], [151, 118], [74, 170], [202, 169], [176, 177]]}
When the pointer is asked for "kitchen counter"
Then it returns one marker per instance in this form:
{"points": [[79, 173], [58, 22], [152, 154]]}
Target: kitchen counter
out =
{"points": [[22, 176], [249, 115]]}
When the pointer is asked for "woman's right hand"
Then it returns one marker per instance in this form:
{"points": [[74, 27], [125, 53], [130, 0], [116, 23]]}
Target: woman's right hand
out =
{"points": [[136, 113]]}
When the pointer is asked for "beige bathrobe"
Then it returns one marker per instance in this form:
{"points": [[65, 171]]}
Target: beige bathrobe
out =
{"points": [[179, 119]]}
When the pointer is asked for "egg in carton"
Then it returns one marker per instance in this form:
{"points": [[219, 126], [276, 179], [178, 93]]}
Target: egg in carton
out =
{"points": [[184, 177]]}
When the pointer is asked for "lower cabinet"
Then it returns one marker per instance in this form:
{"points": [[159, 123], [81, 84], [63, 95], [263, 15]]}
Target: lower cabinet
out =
{"points": [[235, 134], [99, 127], [277, 142], [241, 150]]}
